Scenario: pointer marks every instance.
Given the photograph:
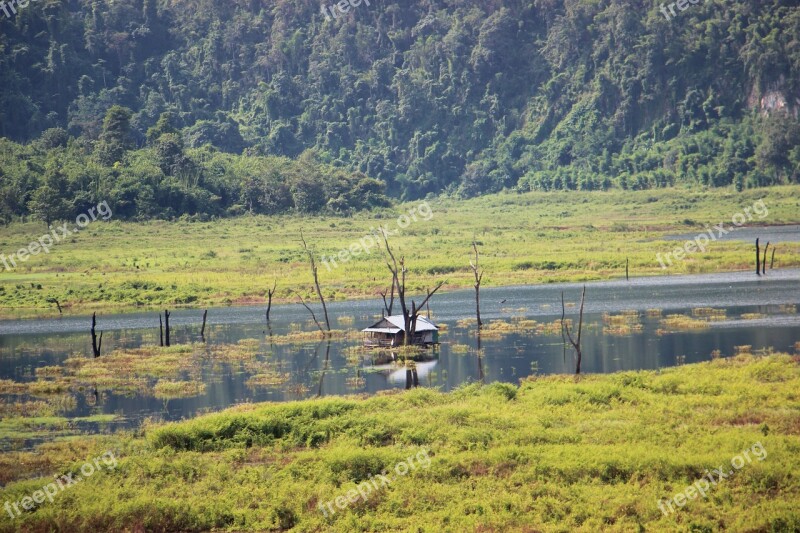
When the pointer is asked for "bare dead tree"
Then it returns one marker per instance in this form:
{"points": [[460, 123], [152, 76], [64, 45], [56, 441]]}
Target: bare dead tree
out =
{"points": [[203, 329], [55, 301], [166, 327], [399, 282], [387, 307], [325, 368], [772, 261], [428, 304], [415, 310], [313, 316], [576, 343], [758, 259], [764, 260], [316, 280], [398, 270], [270, 294], [96, 346], [160, 331], [478, 277], [627, 262]]}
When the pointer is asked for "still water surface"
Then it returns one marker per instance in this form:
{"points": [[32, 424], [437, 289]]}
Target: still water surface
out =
{"points": [[322, 368]]}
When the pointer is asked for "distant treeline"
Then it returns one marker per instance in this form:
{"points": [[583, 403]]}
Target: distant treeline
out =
{"points": [[58, 177]]}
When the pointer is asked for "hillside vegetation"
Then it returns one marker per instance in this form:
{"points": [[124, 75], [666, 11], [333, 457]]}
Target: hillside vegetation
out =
{"points": [[150, 104]]}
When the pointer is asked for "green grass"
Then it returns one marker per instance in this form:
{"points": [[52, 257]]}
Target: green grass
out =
{"points": [[523, 238], [557, 453]]}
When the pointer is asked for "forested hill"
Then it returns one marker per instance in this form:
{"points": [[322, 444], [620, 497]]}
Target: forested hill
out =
{"points": [[423, 95]]}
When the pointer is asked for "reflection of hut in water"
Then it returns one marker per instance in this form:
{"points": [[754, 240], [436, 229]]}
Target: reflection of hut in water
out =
{"points": [[390, 332]]}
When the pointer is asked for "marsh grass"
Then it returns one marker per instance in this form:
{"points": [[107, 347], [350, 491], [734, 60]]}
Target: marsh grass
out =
{"points": [[676, 323], [625, 323], [166, 389], [709, 313], [175, 269], [557, 453]]}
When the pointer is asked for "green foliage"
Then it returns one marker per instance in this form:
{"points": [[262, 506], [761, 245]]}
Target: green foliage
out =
{"points": [[595, 453], [115, 138], [425, 97]]}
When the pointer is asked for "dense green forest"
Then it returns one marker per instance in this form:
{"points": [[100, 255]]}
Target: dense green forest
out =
{"points": [[195, 107]]}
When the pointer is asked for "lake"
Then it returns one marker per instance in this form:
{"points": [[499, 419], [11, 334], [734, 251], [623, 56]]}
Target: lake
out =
{"points": [[627, 326]]}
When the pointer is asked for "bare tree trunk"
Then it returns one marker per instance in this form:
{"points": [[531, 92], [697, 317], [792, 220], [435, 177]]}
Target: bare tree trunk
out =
{"points": [[166, 327], [478, 278], [575, 343], [758, 259], [160, 331], [416, 310], [772, 261], [95, 345], [428, 304], [316, 280], [313, 316], [270, 294], [387, 307], [325, 368], [58, 305], [764, 261], [203, 329], [627, 262], [399, 281]]}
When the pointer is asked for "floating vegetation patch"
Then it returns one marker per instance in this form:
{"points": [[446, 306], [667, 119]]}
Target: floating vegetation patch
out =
{"points": [[167, 389], [552, 328], [355, 382], [48, 371], [743, 349], [459, 348], [709, 313], [346, 320], [499, 328], [466, 323], [676, 323], [244, 350], [268, 378], [752, 316], [788, 309], [653, 313], [308, 336], [624, 323]]}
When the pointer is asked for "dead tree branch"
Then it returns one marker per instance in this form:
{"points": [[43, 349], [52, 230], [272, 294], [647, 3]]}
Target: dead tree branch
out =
{"points": [[316, 279], [270, 294], [478, 278], [576, 343], [313, 316], [95, 345]]}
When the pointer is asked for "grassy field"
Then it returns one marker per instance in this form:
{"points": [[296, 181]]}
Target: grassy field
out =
{"points": [[524, 238], [557, 453]]}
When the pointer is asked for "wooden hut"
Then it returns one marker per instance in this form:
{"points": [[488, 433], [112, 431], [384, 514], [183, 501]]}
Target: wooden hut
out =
{"points": [[390, 332]]}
